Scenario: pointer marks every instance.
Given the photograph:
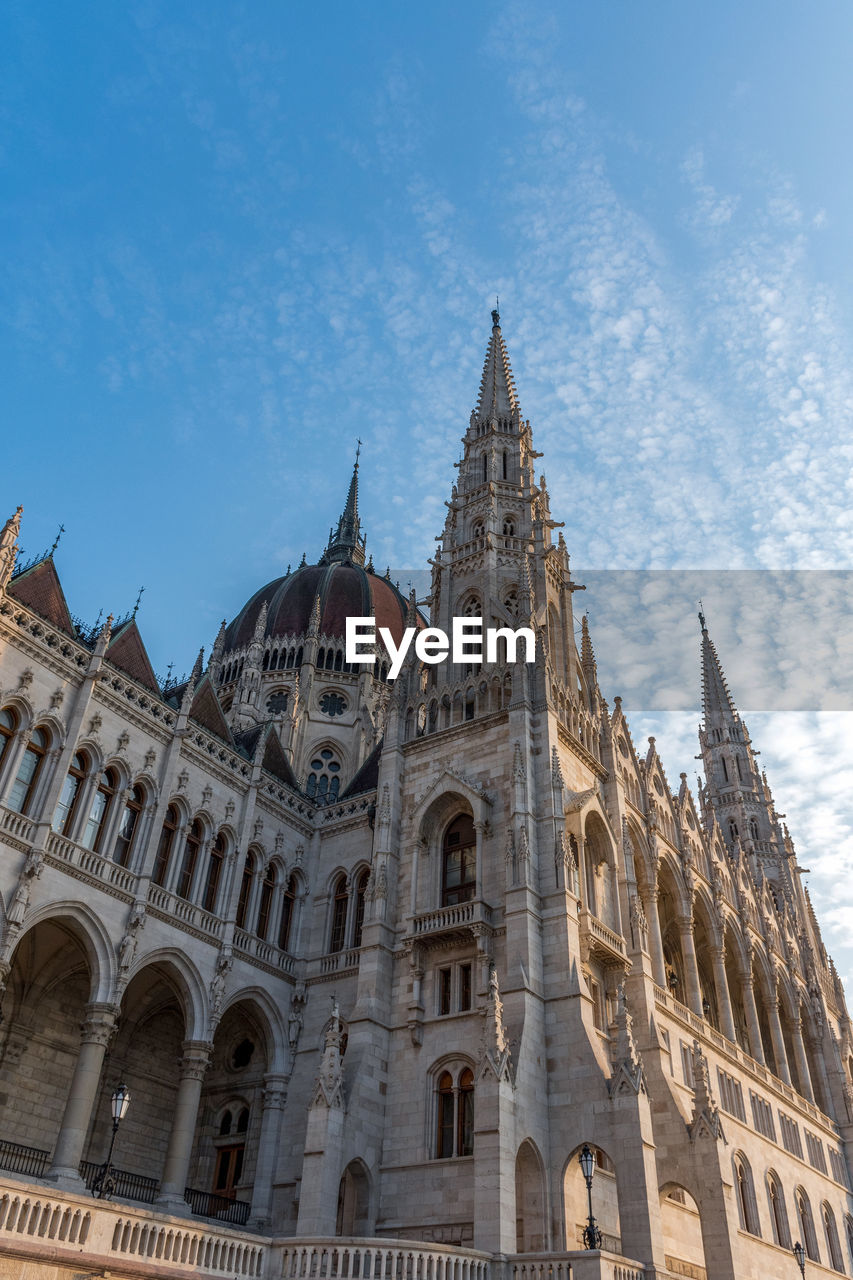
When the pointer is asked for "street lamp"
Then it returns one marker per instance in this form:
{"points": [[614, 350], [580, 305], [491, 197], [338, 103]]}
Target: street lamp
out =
{"points": [[591, 1233], [800, 1255], [105, 1183]]}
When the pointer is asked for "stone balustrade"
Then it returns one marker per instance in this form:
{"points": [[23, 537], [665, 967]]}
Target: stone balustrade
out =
{"points": [[95, 867], [40, 1222], [593, 1264], [380, 1259]]}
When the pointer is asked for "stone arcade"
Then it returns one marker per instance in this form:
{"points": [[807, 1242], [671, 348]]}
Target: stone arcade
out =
{"points": [[377, 958]]}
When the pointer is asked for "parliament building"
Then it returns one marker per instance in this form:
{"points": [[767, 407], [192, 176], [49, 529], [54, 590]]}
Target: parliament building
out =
{"points": [[377, 960]]}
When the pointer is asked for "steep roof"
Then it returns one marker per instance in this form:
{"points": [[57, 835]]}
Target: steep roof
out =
{"points": [[39, 589], [127, 652]]}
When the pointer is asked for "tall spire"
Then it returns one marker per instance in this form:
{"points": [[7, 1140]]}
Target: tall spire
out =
{"points": [[717, 705], [498, 396], [346, 544]]}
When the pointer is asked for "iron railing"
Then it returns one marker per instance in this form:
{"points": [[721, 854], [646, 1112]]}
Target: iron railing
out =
{"points": [[129, 1186], [207, 1204], [29, 1161], [32, 1162]]}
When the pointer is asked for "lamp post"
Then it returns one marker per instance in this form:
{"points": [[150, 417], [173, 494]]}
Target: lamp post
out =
{"points": [[591, 1233], [105, 1183], [800, 1255]]}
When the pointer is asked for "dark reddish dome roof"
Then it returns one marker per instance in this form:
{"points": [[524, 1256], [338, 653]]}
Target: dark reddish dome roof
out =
{"points": [[346, 591]]}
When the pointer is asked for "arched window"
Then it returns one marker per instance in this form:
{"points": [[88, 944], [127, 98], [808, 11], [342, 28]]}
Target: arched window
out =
{"points": [[324, 779], [164, 847], [459, 862], [478, 529], [230, 1154], [8, 725], [465, 1114], [778, 1212], [733, 830], [746, 1196], [277, 702], [192, 845], [833, 1245], [127, 826], [265, 903], [360, 894], [848, 1227], [471, 607], [807, 1231], [504, 465], [214, 873], [340, 903], [28, 771], [70, 794], [445, 1127], [509, 527], [100, 810], [288, 906], [455, 1114], [511, 602], [245, 890]]}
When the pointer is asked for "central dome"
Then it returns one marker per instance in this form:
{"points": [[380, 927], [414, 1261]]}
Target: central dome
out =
{"points": [[345, 591], [344, 586]]}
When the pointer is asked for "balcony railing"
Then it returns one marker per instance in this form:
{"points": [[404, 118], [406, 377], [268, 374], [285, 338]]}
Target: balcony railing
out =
{"points": [[175, 908], [29, 1161], [91, 863], [128, 1186], [207, 1204], [16, 825], [380, 1259], [32, 1162], [460, 918], [248, 944], [600, 939], [36, 1219]]}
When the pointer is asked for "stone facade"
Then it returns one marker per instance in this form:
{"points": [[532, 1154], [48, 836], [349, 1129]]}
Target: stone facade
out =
{"points": [[376, 959]]}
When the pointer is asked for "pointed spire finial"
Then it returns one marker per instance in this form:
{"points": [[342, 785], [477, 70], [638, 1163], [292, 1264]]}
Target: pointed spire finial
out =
{"points": [[56, 540], [138, 600], [346, 543], [496, 314], [717, 703]]}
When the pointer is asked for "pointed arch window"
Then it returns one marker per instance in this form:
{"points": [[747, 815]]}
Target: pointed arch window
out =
{"points": [[340, 904], [192, 846], [454, 1113], [128, 825], [8, 725], [100, 810], [360, 897], [288, 906], [164, 846], [778, 1212], [833, 1245], [245, 890], [66, 808], [265, 903], [214, 873], [807, 1231], [23, 788], [459, 862], [747, 1207], [324, 779]]}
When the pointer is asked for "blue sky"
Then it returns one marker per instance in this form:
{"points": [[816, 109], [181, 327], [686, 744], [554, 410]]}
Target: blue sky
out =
{"points": [[235, 238]]}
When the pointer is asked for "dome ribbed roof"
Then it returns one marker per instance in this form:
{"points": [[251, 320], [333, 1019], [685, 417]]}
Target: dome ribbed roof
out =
{"points": [[345, 590]]}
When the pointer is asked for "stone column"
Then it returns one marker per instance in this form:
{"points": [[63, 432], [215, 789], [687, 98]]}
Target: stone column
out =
{"points": [[95, 1036], [658, 967], [823, 1091], [801, 1060], [478, 836], [752, 1027], [274, 1098], [174, 1180], [778, 1039], [721, 986], [691, 968]]}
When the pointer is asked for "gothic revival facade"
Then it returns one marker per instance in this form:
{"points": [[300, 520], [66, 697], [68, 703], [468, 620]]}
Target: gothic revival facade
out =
{"points": [[376, 959]]}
